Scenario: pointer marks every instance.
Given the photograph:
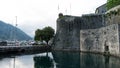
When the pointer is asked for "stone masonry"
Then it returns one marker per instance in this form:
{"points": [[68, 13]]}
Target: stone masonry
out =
{"points": [[89, 33], [97, 40], [68, 30]]}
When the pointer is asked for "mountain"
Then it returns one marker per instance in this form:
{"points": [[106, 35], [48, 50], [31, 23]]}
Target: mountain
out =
{"points": [[9, 32]]}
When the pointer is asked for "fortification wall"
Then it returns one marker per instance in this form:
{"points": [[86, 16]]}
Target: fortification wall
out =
{"points": [[113, 16], [93, 21], [68, 30], [105, 39], [67, 36]]}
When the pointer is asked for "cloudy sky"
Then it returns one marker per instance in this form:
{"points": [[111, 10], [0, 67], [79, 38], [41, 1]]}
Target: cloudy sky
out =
{"points": [[34, 14]]}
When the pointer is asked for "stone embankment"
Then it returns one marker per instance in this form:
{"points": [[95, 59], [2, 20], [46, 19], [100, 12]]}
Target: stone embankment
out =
{"points": [[22, 49]]}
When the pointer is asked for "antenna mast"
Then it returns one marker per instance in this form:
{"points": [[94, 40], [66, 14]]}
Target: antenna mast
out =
{"points": [[16, 21], [70, 8], [15, 29], [58, 8]]}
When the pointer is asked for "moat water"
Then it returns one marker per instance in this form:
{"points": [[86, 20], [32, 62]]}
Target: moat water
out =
{"points": [[59, 60]]}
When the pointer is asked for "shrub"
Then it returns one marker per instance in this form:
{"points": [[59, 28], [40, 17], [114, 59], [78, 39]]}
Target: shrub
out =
{"points": [[112, 3]]}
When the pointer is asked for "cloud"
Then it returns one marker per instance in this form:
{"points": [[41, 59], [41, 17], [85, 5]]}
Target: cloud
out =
{"points": [[33, 14]]}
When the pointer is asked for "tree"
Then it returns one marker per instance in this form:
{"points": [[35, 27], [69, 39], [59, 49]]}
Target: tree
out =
{"points": [[112, 3], [37, 35], [45, 34], [48, 33]]}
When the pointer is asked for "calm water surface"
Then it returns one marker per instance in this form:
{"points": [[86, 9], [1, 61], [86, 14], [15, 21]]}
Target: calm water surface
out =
{"points": [[59, 60]]}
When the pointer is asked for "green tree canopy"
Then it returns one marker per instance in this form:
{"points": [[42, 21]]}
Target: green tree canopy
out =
{"points": [[112, 3], [45, 34], [38, 34]]}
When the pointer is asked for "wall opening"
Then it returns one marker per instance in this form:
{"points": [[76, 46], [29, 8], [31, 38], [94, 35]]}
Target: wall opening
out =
{"points": [[106, 47]]}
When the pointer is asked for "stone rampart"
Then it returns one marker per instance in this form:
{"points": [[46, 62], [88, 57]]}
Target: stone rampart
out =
{"points": [[68, 30], [89, 33], [104, 40]]}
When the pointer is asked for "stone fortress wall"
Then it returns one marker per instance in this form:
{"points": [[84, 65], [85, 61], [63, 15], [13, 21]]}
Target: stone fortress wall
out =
{"points": [[68, 30], [101, 40], [88, 33]]}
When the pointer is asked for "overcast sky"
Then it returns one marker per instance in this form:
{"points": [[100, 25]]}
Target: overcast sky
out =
{"points": [[34, 14]]}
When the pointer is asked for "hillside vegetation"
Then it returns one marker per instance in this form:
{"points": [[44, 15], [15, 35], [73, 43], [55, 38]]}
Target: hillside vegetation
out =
{"points": [[9, 32]]}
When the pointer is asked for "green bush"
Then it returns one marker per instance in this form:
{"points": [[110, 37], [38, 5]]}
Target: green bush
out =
{"points": [[112, 3]]}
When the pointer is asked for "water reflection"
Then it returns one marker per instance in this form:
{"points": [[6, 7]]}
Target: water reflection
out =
{"points": [[84, 60], [92, 61], [67, 59], [60, 60], [43, 62]]}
